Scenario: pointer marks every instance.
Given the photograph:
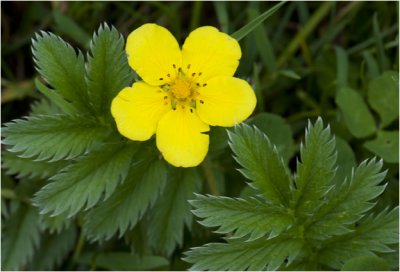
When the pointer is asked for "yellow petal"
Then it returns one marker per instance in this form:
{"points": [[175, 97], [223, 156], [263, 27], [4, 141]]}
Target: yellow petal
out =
{"points": [[225, 101], [180, 138], [211, 53], [138, 109], [152, 53]]}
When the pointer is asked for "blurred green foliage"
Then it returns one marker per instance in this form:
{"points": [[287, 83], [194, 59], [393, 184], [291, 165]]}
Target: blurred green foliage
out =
{"points": [[337, 60]]}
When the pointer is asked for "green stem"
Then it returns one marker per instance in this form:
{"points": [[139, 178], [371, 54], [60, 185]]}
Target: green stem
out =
{"points": [[78, 249], [210, 177], [304, 32]]}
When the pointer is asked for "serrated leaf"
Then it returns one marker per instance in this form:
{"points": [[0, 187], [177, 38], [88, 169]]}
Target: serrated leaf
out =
{"points": [[55, 224], [346, 160], [53, 137], [277, 131], [261, 163], [108, 71], [349, 201], [242, 217], [44, 107], [62, 68], [123, 261], [385, 145], [261, 254], [53, 249], [20, 237], [82, 184], [171, 212], [146, 179], [315, 170], [383, 95], [356, 114], [373, 235], [25, 167]]}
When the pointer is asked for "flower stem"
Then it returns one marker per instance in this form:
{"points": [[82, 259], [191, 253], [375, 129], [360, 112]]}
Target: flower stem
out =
{"points": [[210, 177]]}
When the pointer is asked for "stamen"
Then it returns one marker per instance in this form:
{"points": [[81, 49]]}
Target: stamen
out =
{"points": [[179, 69], [168, 75], [205, 84], [173, 65], [165, 97], [183, 107], [201, 102], [161, 78], [200, 73], [198, 84], [193, 74], [188, 66], [191, 110]]}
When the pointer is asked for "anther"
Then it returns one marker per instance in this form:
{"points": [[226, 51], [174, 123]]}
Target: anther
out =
{"points": [[200, 73], [188, 66], [165, 97], [179, 69], [183, 107], [205, 84], [173, 65], [201, 102], [168, 75], [193, 74], [191, 110], [161, 78], [198, 84]]}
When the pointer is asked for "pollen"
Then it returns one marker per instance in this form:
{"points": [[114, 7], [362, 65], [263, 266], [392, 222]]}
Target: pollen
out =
{"points": [[181, 89]]}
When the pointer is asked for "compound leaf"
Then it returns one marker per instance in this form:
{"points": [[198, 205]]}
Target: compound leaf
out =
{"points": [[172, 211], [62, 68], [83, 183], [248, 216], [20, 237], [261, 254], [127, 205], [315, 171], [53, 138], [25, 167], [348, 202], [374, 234], [53, 249], [261, 163], [108, 71]]}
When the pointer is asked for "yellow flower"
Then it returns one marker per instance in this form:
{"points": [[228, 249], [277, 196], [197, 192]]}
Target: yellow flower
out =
{"points": [[183, 92]]}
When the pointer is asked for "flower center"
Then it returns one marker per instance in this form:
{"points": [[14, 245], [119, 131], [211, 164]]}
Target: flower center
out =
{"points": [[181, 88]]}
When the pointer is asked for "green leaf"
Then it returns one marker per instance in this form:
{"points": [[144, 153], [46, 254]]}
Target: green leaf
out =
{"points": [[146, 179], [290, 74], [62, 68], [24, 167], [54, 248], [278, 131], [241, 217], [383, 94], [385, 145], [88, 180], [123, 261], [316, 168], [44, 107], [261, 254], [245, 30], [108, 71], [261, 163], [171, 212], [374, 234], [366, 263], [346, 160], [357, 117], [348, 202], [54, 137], [55, 224], [20, 237], [342, 67], [56, 98]]}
